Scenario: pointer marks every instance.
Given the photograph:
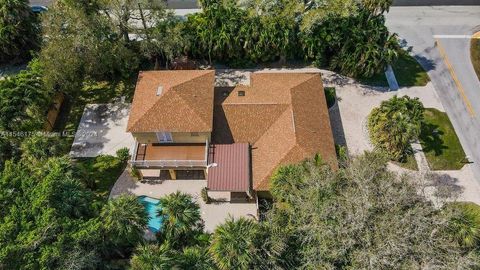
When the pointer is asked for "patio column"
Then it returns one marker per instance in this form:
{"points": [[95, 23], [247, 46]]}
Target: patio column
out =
{"points": [[173, 174]]}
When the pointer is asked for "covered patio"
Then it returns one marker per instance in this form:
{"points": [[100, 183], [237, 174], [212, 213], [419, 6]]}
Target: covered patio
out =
{"points": [[229, 176]]}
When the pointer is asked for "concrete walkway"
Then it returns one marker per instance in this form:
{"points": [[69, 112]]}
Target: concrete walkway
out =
{"points": [[420, 157], [213, 214], [391, 79]]}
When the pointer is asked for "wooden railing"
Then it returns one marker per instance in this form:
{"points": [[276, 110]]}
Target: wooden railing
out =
{"points": [[168, 163]]}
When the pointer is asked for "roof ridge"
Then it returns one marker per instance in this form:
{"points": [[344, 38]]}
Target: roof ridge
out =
{"points": [[186, 101], [314, 76], [272, 122], [149, 109], [151, 106], [276, 167]]}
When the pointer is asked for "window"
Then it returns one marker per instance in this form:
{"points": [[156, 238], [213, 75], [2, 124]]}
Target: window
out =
{"points": [[164, 137], [194, 134]]}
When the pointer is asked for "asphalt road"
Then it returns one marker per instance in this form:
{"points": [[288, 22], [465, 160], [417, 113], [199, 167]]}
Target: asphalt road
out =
{"points": [[439, 37]]}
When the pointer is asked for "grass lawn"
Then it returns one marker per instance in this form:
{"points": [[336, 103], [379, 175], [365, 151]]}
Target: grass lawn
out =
{"points": [[440, 142], [100, 173], [475, 55], [407, 71], [410, 163]]}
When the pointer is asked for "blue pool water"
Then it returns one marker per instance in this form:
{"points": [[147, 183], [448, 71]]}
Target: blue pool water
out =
{"points": [[151, 206]]}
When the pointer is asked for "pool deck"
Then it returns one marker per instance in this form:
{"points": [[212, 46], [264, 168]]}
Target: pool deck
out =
{"points": [[213, 214]]}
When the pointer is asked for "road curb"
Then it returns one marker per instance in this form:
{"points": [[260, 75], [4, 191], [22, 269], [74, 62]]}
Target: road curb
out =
{"points": [[436, 3]]}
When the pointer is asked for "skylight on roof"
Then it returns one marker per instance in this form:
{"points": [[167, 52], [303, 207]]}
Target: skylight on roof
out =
{"points": [[159, 90]]}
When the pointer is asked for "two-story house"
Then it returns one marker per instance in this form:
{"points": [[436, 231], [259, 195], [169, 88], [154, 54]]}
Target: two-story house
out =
{"points": [[233, 137]]}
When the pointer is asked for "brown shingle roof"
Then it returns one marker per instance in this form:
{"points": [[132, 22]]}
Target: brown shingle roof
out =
{"points": [[284, 117], [185, 104]]}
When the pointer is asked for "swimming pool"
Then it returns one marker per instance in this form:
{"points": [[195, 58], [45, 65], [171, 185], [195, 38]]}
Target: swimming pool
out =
{"points": [[151, 206]]}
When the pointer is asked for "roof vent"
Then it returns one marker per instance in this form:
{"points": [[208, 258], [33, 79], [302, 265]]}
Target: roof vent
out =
{"points": [[159, 90], [241, 93]]}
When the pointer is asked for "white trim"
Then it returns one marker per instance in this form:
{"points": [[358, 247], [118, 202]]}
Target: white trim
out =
{"points": [[164, 137]]}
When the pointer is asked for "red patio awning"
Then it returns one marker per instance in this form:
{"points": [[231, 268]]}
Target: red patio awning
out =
{"points": [[229, 167]]}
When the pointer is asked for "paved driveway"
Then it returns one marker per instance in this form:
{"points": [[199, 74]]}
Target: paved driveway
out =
{"points": [[102, 130]]}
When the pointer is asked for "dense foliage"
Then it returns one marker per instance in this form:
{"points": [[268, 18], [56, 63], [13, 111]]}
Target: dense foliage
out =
{"points": [[465, 226], [24, 102], [360, 217], [81, 43], [19, 30], [395, 124], [54, 212], [181, 242], [48, 220], [354, 41]]}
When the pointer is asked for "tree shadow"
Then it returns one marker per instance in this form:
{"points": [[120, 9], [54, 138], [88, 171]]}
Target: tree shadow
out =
{"points": [[337, 125], [445, 186], [431, 137], [426, 63]]}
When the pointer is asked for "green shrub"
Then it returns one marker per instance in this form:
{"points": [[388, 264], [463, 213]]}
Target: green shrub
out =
{"points": [[135, 173], [342, 154], [395, 124], [330, 95], [205, 197], [40, 147], [123, 154], [465, 224]]}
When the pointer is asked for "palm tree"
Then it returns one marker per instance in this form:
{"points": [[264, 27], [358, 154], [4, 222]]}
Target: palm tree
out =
{"points": [[124, 220], [395, 124], [233, 245], [465, 224], [180, 216], [284, 180], [195, 257], [152, 257]]}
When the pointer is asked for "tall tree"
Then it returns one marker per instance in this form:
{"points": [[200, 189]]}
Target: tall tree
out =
{"points": [[395, 124], [46, 217], [233, 244], [81, 45], [23, 100], [124, 221], [364, 216], [194, 257], [164, 39], [180, 218], [153, 257], [19, 30]]}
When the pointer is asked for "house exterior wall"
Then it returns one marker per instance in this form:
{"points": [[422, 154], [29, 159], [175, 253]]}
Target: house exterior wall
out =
{"points": [[178, 137]]}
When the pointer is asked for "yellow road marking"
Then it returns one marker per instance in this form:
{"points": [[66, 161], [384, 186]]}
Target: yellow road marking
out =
{"points": [[455, 79]]}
